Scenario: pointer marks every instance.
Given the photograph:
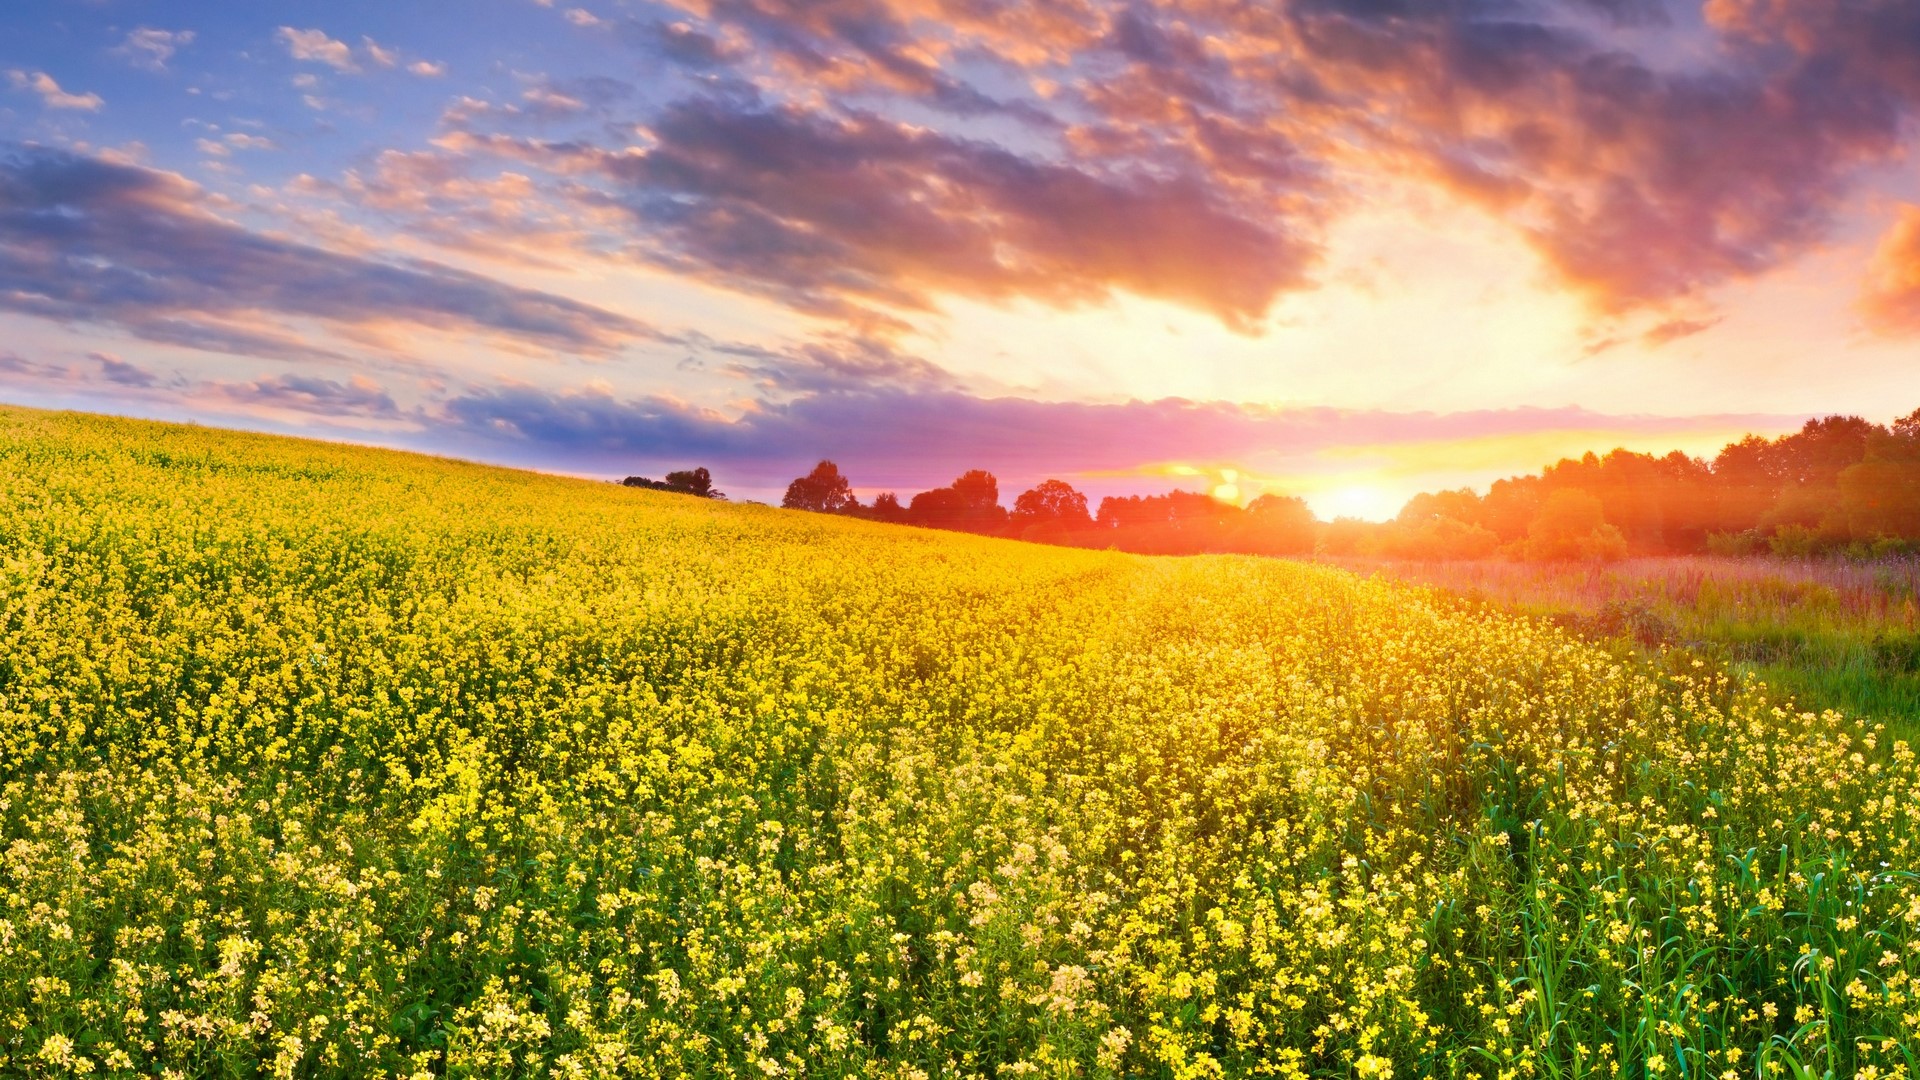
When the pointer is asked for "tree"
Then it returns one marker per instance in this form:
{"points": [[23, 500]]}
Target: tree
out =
{"points": [[1880, 496], [978, 489], [1053, 502], [970, 504], [938, 508], [696, 482], [886, 507], [823, 491], [1908, 426]]}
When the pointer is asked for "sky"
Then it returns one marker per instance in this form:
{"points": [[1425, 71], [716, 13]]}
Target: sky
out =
{"points": [[1344, 249]]}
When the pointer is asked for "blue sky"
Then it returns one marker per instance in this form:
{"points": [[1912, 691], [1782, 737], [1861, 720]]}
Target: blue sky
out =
{"points": [[1349, 250]]}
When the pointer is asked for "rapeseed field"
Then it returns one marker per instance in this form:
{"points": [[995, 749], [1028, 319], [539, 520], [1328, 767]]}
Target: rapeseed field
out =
{"points": [[322, 761]]}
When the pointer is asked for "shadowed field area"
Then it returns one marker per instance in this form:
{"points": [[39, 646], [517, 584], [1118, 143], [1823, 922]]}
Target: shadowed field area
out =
{"points": [[326, 761]]}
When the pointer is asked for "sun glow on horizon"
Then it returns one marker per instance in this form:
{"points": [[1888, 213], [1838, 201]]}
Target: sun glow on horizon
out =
{"points": [[1364, 501]]}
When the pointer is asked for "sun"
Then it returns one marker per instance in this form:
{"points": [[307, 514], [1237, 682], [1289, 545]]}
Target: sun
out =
{"points": [[1362, 501]]}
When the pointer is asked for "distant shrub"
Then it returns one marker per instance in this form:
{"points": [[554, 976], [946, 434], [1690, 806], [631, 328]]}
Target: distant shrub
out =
{"points": [[1746, 542], [1795, 542], [1880, 547]]}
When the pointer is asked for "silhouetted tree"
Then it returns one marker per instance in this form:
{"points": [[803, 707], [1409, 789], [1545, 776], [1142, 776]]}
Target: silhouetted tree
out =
{"points": [[970, 504], [978, 489], [823, 491], [1052, 502], [886, 507], [1908, 426], [694, 482]]}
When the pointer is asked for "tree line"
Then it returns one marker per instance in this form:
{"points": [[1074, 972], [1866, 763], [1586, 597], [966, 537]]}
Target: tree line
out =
{"points": [[1840, 483], [1053, 512], [696, 482]]}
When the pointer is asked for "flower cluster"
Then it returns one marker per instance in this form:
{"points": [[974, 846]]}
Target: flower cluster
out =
{"points": [[327, 761]]}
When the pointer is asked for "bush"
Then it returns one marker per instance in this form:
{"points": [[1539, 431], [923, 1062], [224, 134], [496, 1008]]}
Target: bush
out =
{"points": [[1739, 544], [1795, 542]]}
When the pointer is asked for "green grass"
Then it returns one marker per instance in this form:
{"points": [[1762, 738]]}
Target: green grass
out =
{"points": [[1827, 634]]}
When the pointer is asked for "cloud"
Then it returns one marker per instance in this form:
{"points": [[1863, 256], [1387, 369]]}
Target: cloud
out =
{"points": [[866, 160], [238, 140], [427, 69], [85, 240], [1890, 300], [123, 373], [379, 53], [549, 99], [15, 368], [833, 363], [835, 215], [120, 374], [1674, 329], [358, 396], [41, 83], [505, 217], [683, 44], [1647, 175], [316, 47], [150, 49]]}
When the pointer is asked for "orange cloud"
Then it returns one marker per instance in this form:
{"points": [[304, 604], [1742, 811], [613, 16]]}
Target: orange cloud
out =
{"points": [[1891, 299]]}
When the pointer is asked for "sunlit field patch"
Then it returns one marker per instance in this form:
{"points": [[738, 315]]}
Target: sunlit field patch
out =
{"points": [[324, 761]]}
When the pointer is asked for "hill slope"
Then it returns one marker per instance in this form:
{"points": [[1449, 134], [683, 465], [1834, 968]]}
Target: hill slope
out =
{"points": [[327, 761]]}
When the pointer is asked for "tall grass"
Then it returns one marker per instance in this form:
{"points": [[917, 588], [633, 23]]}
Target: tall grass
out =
{"points": [[1827, 633]]}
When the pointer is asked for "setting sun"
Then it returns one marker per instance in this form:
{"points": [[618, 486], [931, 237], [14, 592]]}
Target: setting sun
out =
{"points": [[1361, 501]]}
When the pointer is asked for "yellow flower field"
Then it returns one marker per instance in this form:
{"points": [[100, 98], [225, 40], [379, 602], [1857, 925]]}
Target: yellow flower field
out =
{"points": [[323, 761]]}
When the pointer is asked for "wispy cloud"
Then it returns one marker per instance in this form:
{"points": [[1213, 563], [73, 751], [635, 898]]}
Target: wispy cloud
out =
{"points": [[123, 372], [51, 95], [315, 46], [150, 49]]}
